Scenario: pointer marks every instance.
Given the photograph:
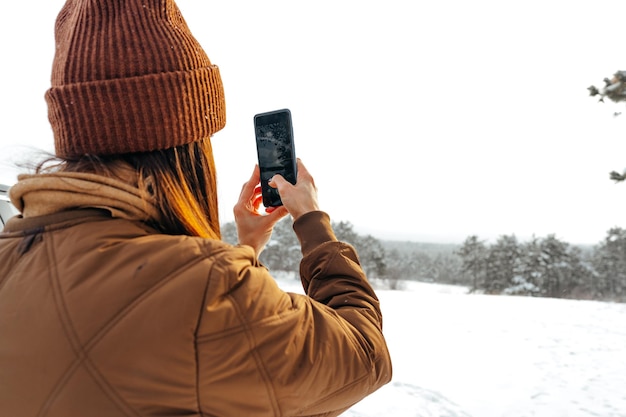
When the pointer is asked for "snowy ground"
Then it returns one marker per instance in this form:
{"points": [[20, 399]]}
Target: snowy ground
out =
{"points": [[460, 355]]}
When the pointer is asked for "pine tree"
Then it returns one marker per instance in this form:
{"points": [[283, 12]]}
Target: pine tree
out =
{"points": [[556, 266], [473, 255], [610, 263], [502, 264]]}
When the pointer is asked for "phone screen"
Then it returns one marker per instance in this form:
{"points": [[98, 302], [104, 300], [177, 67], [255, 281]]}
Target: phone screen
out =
{"points": [[276, 152]]}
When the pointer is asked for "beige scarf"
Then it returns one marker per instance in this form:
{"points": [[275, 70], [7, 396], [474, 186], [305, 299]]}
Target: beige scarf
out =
{"points": [[41, 194]]}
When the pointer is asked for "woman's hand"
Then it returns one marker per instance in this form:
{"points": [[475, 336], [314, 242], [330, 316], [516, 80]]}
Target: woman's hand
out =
{"points": [[255, 229], [300, 198]]}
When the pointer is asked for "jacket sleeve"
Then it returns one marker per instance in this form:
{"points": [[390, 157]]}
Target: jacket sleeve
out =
{"points": [[264, 352]]}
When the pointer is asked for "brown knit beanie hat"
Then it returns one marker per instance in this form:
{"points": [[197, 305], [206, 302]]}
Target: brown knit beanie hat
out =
{"points": [[128, 76]]}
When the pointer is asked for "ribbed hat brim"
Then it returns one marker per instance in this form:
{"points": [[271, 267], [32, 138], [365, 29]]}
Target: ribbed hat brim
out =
{"points": [[144, 113]]}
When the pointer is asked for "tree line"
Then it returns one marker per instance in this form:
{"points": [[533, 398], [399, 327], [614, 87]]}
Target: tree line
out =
{"points": [[540, 267], [547, 267]]}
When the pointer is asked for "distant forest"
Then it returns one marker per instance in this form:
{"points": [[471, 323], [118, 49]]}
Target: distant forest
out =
{"points": [[540, 267]]}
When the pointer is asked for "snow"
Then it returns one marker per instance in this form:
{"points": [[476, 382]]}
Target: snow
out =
{"points": [[458, 355]]}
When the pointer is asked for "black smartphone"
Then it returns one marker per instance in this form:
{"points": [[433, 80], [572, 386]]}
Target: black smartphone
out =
{"points": [[275, 150]]}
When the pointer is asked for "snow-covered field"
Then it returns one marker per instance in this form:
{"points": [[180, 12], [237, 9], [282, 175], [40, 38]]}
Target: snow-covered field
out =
{"points": [[460, 355]]}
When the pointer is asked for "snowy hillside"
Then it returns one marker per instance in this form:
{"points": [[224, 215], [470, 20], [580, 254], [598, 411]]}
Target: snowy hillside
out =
{"points": [[460, 355]]}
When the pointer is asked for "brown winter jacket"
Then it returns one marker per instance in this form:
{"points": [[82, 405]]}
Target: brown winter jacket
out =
{"points": [[101, 315]]}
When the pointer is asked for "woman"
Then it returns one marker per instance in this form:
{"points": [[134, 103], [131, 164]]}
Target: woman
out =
{"points": [[117, 297]]}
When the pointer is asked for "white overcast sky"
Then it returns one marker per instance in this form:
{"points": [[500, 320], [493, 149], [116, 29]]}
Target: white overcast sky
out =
{"points": [[420, 120]]}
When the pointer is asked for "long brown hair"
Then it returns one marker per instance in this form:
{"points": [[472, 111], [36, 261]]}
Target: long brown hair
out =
{"points": [[181, 179]]}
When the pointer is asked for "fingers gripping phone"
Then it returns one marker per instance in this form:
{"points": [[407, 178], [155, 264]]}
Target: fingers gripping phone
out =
{"points": [[275, 150]]}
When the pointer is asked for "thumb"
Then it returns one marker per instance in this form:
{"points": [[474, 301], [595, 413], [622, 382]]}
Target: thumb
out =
{"points": [[277, 181]]}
